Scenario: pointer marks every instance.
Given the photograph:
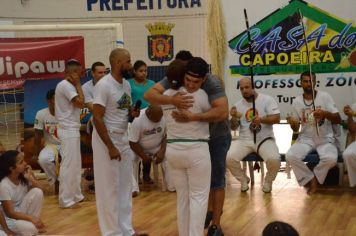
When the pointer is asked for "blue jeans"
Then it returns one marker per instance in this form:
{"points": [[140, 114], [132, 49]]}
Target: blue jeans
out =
{"points": [[218, 148]]}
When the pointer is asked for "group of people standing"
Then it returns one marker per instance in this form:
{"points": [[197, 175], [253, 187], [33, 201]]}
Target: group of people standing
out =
{"points": [[184, 126]]}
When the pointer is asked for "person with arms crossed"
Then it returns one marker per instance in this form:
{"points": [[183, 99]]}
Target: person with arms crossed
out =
{"points": [[316, 133]]}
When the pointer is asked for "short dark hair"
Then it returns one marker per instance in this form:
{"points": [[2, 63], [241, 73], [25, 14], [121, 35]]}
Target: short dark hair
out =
{"points": [[138, 64], [279, 228], [184, 55], [95, 64], [72, 62], [50, 94], [197, 67], [175, 73], [307, 73]]}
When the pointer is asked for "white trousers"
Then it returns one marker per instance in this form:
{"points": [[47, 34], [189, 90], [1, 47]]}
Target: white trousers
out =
{"points": [[46, 159], [2, 233], [268, 151], [30, 205], [327, 154], [113, 186], [349, 156], [70, 172], [191, 172]]}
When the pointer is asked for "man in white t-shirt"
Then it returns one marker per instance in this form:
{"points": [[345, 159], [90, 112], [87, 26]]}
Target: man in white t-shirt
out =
{"points": [[147, 136], [316, 112], [266, 114], [112, 154], [97, 72], [349, 154], [46, 127], [69, 99]]}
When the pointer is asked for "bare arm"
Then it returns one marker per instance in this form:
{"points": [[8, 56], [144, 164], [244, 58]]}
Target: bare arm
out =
{"points": [[162, 151], [10, 212], [38, 139], [139, 151], [78, 101], [155, 96], [89, 105], [271, 119], [333, 117], [219, 111], [98, 115], [4, 225], [351, 124]]}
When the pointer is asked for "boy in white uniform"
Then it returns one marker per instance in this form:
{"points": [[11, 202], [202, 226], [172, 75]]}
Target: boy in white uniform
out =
{"points": [[188, 153], [69, 100], [112, 155], [266, 114], [349, 154], [147, 136], [316, 133], [46, 127]]}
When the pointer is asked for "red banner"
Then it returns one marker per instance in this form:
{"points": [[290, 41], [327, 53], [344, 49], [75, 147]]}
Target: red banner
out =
{"points": [[36, 58]]}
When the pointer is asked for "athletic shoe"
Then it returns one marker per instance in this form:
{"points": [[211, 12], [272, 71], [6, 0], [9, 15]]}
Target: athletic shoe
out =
{"points": [[267, 187], [245, 184]]}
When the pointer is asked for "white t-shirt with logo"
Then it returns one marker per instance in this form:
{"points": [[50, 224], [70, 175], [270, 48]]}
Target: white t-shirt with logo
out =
{"points": [[12, 192], [193, 130], [46, 122], [67, 114], [303, 110], [148, 134], [265, 105], [116, 98], [88, 90]]}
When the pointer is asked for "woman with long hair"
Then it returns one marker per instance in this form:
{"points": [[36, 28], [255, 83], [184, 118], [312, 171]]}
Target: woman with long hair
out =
{"points": [[21, 195]]}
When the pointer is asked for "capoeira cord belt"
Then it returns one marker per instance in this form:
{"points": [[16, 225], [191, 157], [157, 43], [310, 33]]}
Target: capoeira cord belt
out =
{"points": [[182, 140], [260, 144]]}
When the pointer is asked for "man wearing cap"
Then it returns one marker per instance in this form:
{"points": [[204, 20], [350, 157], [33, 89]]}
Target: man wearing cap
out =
{"points": [[219, 141]]}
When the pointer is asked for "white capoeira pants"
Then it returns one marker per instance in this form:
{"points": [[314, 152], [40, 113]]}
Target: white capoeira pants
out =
{"points": [[191, 172], [167, 181], [70, 172], [30, 205], [349, 156], [46, 159], [327, 154], [113, 186], [268, 151]]}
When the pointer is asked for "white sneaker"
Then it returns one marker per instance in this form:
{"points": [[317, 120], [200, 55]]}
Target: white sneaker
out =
{"points": [[245, 184], [267, 187]]}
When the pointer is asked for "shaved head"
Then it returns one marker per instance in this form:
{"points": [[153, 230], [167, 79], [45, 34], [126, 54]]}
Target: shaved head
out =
{"points": [[120, 61], [245, 80], [154, 113], [118, 54], [246, 88]]}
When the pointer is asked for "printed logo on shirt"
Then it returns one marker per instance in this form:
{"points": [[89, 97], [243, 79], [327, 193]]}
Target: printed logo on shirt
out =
{"points": [[125, 102], [308, 117], [249, 114], [153, 131]]}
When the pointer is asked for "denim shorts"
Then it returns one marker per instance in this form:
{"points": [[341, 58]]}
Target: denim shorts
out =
{"points": [[218, 148]]}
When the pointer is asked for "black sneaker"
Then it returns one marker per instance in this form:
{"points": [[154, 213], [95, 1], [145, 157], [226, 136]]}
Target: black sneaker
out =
{"points": [[215, 231], [208, 218]]}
